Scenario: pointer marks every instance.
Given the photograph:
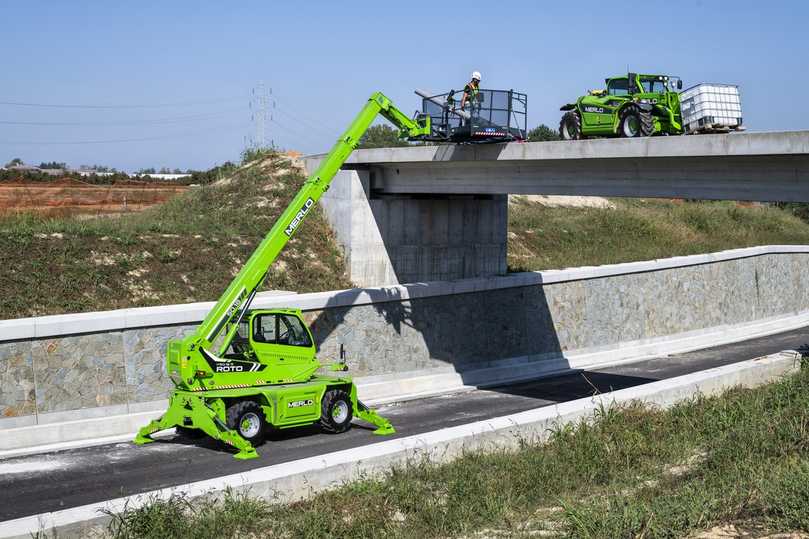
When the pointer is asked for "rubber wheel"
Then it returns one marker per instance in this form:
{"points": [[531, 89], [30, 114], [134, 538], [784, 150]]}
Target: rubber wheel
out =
{"points": [[189, 433], [247, 419], [636, 122], [570, 126], [336, 411]]}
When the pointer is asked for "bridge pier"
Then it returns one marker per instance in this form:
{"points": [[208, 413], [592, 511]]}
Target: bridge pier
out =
{"points": [[392, 239]]}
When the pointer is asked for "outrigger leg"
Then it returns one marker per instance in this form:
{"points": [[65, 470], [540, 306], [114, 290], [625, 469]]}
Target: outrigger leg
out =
{"points": [[191, 411], [384, 426]]}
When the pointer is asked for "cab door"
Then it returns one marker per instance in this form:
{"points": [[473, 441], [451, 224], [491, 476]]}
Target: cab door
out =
{"points": [[282, 341], [617, 95]]}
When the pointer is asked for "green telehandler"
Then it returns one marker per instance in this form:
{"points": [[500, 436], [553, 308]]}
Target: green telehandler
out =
{"points": [[242, 371], [630, 106]]}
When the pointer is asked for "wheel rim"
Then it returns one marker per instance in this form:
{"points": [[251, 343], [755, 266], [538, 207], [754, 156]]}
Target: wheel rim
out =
{"points": [[250, 425], [631, 126], [340, 412], [568, 130]]}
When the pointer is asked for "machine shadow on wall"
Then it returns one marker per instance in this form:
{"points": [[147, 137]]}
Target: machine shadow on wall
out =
{"points": [[503, 333]]}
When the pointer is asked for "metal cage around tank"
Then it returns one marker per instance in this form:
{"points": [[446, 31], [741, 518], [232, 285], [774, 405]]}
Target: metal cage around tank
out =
{"points": [[497, 116]]}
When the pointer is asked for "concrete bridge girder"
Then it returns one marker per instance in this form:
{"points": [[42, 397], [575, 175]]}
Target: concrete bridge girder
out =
{"points": [[775, 178]]}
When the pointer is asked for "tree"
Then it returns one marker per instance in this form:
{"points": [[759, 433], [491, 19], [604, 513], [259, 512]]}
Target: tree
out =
{"points": [[14, 162], [150, 170], [53, 164], [542, 132], [381, 136]]}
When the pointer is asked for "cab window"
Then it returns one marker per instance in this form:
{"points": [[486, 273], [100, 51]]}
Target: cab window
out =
{"points": [[292, 332], [280, 329], [652, 86], [618, 87], [265, 328]]}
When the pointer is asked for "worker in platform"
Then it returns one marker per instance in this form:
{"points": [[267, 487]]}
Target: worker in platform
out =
{"points": [[471, 94]]}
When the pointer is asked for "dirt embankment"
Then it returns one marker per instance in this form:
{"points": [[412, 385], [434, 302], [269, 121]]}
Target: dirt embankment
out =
{"points": [[70, 197]]}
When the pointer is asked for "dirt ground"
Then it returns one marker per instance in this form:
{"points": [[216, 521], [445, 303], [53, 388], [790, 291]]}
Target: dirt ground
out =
{"points": [[70, 197]]}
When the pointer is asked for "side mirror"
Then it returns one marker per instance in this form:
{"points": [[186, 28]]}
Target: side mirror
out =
{"points": [[679, 84], [342, 353]]}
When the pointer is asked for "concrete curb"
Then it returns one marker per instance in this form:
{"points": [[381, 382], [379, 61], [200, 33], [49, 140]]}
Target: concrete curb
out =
{"points": [[299, 479], [374, 390]]}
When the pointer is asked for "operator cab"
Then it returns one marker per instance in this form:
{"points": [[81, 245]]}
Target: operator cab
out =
{"points": [[280, 328], [277, 337]]}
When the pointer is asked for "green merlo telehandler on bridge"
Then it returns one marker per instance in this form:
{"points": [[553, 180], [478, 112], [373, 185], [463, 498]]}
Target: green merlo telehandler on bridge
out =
{"points": [[243, 371], [631, 106]]}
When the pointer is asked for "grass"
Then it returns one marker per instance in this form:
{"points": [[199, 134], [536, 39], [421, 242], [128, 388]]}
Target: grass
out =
{"points": [[741, 458], [636, 229], [190, 247], [185, 250]]}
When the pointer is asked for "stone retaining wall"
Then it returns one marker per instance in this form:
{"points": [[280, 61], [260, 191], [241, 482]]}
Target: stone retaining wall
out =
{"points": [[56, 374]]}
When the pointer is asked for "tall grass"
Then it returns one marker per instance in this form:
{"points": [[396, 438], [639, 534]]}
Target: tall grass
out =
{"points": [[550, 238]]}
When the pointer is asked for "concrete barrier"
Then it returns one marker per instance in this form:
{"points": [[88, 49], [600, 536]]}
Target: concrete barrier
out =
{"points": [[302, 478], [409, 340]]}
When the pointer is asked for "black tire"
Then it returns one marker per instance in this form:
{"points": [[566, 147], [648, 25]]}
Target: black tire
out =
{"points": [[189, 433], [336, 411], [570, 126], [247, 419], [635, 122]]}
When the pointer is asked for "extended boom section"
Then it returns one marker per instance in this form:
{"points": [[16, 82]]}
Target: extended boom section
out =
{"points": [[243, 371]]}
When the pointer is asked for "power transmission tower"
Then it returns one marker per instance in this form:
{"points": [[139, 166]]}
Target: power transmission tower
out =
{"points": [[260, 102]]}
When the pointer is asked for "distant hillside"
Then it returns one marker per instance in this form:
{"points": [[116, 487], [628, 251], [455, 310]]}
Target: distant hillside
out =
{"points": [[182, 251]]}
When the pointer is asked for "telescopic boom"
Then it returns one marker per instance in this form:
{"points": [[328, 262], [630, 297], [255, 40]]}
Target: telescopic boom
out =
{"points": [[233, 304]]}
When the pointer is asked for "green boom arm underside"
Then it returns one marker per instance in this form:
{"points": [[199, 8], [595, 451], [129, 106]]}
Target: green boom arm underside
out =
{"points": [[235, 301]]}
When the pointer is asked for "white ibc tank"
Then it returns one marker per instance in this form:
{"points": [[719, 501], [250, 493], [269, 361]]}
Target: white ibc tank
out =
{"points": [[709, 107]]}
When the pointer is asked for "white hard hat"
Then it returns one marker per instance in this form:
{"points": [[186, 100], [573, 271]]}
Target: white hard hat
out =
{"points": [[476, 75]]}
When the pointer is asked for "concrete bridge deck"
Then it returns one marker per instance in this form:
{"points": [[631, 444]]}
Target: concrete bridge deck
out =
{"points": [[426, 213], [771, 166]]}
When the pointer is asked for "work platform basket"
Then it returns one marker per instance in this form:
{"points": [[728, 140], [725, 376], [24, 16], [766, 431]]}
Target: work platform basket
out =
{"points": [[497, 116]]}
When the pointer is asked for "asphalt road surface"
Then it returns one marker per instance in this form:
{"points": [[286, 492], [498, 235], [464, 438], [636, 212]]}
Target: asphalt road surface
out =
{"points": [[62, 479]]}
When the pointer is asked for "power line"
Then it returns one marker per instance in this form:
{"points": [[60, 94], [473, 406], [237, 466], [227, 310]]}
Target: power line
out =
{"points": [[310, 124], [126, 106], [125, 140], [293, 131], [154, 121]]}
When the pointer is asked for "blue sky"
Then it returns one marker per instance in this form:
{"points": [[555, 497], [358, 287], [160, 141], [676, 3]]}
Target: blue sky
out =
{"points": [[199, 61]]}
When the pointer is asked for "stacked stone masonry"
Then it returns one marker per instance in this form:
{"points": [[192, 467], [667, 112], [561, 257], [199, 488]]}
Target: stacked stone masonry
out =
{"points": [[114, 371]]}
